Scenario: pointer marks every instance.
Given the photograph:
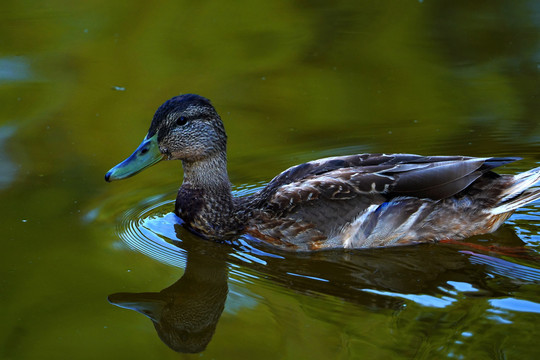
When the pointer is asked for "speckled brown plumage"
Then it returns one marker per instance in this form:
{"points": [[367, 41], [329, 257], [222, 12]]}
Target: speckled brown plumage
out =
{"points": [[354, 201]]}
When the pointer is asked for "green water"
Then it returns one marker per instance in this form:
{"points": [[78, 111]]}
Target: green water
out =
{"points": [[293, 81]]}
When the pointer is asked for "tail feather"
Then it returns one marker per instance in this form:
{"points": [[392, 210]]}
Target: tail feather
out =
{"points": [[520, 193]]}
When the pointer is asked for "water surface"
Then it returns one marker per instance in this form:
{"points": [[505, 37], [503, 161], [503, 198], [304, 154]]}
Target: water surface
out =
{"points": [[293, 81]]}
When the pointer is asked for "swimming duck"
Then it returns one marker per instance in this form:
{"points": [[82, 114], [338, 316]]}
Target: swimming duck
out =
{"points": [[354, 201]]}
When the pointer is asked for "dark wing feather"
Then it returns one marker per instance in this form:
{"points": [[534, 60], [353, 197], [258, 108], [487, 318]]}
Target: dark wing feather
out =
{"points": [[375, 176], [442, 179], [492, 163], [438, 180], [322, 166]]}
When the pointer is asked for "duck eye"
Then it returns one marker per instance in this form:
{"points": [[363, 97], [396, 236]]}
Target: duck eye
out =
{"points": [[181, 121]]}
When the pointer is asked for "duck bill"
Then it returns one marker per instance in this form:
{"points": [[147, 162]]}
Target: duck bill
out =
{"points": [[148, 304], [147, 154]]}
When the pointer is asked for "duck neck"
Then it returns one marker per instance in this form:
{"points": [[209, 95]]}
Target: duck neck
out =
{"points": [[205, 200], [209, 174]]}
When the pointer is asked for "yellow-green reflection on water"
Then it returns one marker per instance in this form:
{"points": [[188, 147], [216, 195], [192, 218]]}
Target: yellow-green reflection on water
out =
{"points": [[293, 81]]}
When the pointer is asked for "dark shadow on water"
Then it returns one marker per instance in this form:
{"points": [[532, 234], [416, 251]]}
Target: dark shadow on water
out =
{"points": [[185, 314]]}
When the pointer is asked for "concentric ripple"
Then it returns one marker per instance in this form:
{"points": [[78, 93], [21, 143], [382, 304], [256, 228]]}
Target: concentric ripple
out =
{"points": [[152, 229], [142, 228]]}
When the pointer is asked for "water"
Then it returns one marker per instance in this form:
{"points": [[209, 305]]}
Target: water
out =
{"points": [[459, 289], [79, 83]]}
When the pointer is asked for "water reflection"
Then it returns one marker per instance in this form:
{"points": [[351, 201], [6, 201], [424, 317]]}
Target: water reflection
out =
{"points": [[383, 277], [14, 68], [185, 315], [8, 169]]}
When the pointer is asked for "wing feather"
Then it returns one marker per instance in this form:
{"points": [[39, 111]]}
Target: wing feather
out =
{"points": [[380, 176]]}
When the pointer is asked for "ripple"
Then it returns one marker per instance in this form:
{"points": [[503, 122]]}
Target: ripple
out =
{"points": [[437, 276], [139, 228], [150, 228], [505, 268], [519, 305]]}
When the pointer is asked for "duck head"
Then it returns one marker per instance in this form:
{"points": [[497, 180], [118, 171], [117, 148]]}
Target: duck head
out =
{"points": [[186, 127]]}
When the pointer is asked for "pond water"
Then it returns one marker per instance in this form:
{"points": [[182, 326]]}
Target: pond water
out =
{"points": [[293, 81]]}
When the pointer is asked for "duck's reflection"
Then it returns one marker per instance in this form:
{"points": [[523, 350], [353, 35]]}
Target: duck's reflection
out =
{"points": [[186, 314]]}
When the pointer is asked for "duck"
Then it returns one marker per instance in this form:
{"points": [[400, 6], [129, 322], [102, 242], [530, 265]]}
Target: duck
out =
{"points": [[341, 202]]}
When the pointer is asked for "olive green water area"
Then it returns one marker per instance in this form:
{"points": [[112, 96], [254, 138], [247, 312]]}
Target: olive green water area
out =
{"points": [[293, 81]]}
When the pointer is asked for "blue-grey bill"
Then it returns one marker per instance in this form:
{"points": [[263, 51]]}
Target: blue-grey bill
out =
{"points": [[148, 304], [147, 154]]}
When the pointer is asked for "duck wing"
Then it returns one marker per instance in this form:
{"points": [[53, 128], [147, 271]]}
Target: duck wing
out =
{"points": [[316, 199], [346, 177]]}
